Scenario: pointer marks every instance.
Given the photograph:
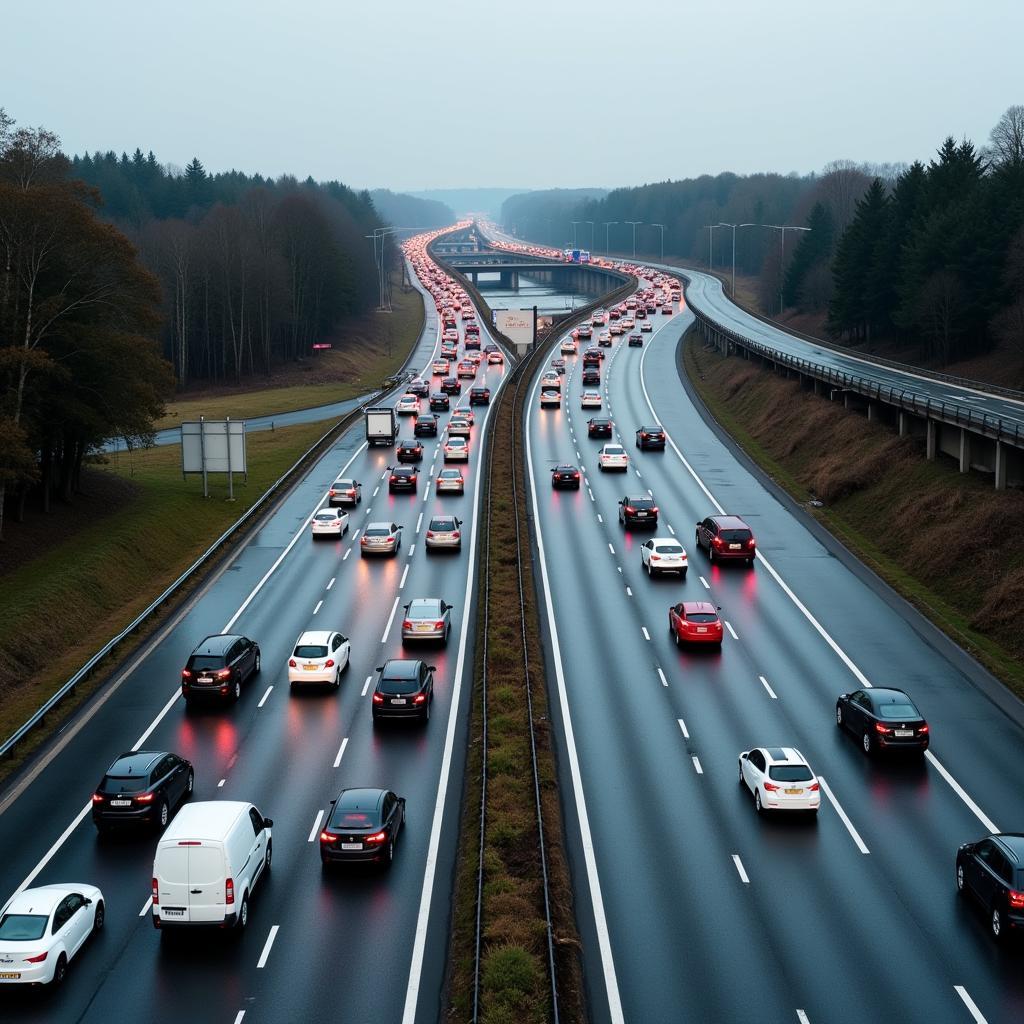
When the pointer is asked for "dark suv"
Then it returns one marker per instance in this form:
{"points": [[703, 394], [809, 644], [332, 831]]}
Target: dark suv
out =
{"points": [[599, 426], [403, 478], [726, 537], [650, 437], [219, 666], [592, 357], [439, 402], [142, 787], [426, 425], [992, 871], [638, 510], [405, 689]]}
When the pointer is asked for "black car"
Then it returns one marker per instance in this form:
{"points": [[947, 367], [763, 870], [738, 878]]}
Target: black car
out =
{"points": [[592, 357], [479, 396], [439, 402], [565, 476], [219, 666], [426, 424], [884, 719], [490, 347], [640, 313], [403, 478], [410, 451], [992, 871], [636, 340], [405, 689], [591, 375], [599, 426], [451, 386], [638, 510], [472, 341], [142, 787], [418, 387], [363, 827], [650, 437]]}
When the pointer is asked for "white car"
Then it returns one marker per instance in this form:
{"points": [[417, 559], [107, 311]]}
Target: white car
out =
{"points": [[42, 929], [329, 522], [780, 779], [495, 357], [456, 449], [612, 456], [568, 347], [663, 554], [647, 327], [590, 400], [459, 426], [319, 656], [549, 397], [408, 405]]}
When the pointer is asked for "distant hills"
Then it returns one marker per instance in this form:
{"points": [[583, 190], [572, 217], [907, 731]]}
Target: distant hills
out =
{"points": [[407, 211], [470, 200]]}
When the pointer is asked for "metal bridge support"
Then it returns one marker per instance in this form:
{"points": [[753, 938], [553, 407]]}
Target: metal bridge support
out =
{"points": [[904, 424], [1000, 474], [872, 412], [931, 439], [965, 451]]}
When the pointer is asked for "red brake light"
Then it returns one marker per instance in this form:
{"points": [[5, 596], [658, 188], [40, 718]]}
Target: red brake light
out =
{"points": [[717, 541], [329, 663], [328, 837], [576, 475], [377, 837], [922, 730], [456, 534], [430, 533], [378, 699], [655, 509], [156, 894], [629, 508], [884, 729], [291, 663], [393, 478], [332, 492], [750, 543], [655, 558], [224, 673], [406, 624], [229, 891], [35, 959], [185, 674], [1016, 899], [439, 624], [144, 798], [770, 786], [97, 798], [420, 698], [814, 787]]}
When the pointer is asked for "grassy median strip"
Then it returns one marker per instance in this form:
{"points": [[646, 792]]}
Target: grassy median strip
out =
{"points": [[945, 541]]}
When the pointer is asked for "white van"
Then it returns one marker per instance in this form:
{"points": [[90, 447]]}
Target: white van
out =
{"points": [[207, 864]]}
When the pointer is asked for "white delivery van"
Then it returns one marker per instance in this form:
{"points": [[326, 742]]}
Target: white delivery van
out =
{"points": [[208, 862]]}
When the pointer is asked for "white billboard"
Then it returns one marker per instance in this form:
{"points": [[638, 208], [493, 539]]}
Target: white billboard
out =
{"points": [[213, 446], [516, 325]]}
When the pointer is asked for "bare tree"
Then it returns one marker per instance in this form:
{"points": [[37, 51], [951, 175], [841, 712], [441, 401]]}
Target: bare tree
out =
{"points": [[1006, 140], [842, 184]]}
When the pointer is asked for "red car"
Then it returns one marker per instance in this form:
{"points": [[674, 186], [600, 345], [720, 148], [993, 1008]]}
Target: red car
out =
{"points": [[695, 622]]}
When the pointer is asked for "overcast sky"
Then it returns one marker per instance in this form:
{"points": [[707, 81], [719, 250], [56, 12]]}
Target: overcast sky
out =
{"points": [[523, 93]]}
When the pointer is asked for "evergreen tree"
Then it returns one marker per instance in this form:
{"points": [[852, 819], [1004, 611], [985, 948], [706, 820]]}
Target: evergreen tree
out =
{"points": [[814, 248]]}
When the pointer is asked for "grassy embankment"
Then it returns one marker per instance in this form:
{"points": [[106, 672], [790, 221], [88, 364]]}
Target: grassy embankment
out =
{"points": [[88, 569], [945, 541]]}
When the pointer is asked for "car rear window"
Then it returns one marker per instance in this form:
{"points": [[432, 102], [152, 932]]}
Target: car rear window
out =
{"points": [[125, 783], [399, 686], [613, 449], [342, 483], [790, 773], [732, 536], [669, 549], [201, 661], [325, 517], [23, 927], [442, 524], [424, 609], [898, 711], [376, 532], [353, 819], [701, 617], [641, 503], [310, 651]]}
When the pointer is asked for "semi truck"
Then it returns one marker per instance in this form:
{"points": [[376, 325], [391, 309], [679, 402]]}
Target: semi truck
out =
{"points": [[381, 426]]}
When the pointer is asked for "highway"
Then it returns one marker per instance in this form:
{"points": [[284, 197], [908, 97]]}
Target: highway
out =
{"points": [[358, 945], [692, 907]]}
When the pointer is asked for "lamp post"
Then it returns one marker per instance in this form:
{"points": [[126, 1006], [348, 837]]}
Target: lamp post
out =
{"points": [[783, 228], [722, 224], [607, 225], [591, 223], [711, 244], [634, 223], [378, 236], [574, 223], [662, 226]]}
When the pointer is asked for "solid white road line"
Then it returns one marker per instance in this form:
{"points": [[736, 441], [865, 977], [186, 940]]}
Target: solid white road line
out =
{"points": [[341, 752], [263, 699], [802, 1017], [661, 676], [391, 619], [239, 1017], [366, 686], [707, 586], [317, 822], [764, 683], [854, 834], [732, 632], [265, 955], [405, 572], [696, 764], [961, 792], [146, 907], [682, 725], [319, 605], [972, 1007], [740, 869], [647, 636], [329, 585]]}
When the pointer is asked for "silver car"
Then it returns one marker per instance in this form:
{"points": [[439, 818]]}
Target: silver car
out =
{"points": [[459, 426], [380, 539], [456, 449], [427, 618], [450, 481], [444, 532]]}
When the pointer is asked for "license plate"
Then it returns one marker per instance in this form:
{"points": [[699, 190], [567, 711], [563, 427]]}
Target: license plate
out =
{"points": [[904, 733], [351, 846], [793, 792], [172, 913], [641, 515], [205, 679], [702, 629], [10, 975], [423, 627], [120, 803], [734, 547], [399, 700], [310, 668]]}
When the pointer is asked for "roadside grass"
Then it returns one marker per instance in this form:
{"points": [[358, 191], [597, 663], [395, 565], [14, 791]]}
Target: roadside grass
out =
{"points": [[905, 517]]}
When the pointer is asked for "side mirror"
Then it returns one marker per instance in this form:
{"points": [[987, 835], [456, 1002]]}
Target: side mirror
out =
{"points": [[334, 801], [431, 668], [379, 668], [718, 607], [843, 696], [86, 902], [698, 526], [268, 822], [405, 607]]}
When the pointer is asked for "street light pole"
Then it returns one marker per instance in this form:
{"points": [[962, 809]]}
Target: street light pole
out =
{"points": [[662, 226], [574, 223], [711, 244], [591, 223], [722, 224], [607, 225], [378, 257], [783, 228], [634, 223]]}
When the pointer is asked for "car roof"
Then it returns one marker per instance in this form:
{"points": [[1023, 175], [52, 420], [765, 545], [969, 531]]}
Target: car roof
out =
{"points": [[783, 755], [451, 471], [730, 522], [315, 636], [43, 898], [401, 668], [1014, 842], [345, 480], [217, 643], [887, 695], [359, 799], [655, 541], [135, 762], [564, 465], [384, 525], [204, 820], [442, 519]]}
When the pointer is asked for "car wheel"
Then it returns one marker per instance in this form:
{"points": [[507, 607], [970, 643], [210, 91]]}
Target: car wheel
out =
{"points": [[99, 917], [163, 815], [867, 744], [390, 855], [960, 879], [238, 689], [758, 806], [259, 661], [742, 782], [996, 924], [60, 971], [269, 857], [337, 679], [243, 914], [675, 635]]}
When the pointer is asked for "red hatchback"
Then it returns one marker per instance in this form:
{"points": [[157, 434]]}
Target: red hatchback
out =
{"points": [[695, 622], [726, 537]]}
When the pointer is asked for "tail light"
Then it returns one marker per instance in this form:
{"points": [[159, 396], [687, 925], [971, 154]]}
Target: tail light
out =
{"points": [[750, 543], [643, 433], [224, 673], [393, 478], [406, 624], [430, 533], [156, 894], [291, 663], [97, 798], [576, 475], [229, 891], [813, 787], [655, 510], [185, 674], [35, 959], [351, 493], [378, 699], [332, 492], [883, 729], [439, 624], [1016, 899], [329, 663], [717, 541], [922, 730], [328, 837], [420, 698], [456, 535], [377, 837], [655, 558], [770, 786], [629, 508], [144, 798]]}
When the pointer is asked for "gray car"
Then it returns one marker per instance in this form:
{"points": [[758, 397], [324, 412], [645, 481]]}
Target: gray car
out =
{"points": [[450, 481], [380, 539], [427, 618], [444, 532]]}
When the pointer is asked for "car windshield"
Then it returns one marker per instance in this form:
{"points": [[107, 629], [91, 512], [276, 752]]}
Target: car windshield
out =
{"points": [[790, 773], [125, 783], [201, 661], [668, 549], [733, 536], [23, 927], [701, 617], [898, 711], [353, 819], [311, 651]]}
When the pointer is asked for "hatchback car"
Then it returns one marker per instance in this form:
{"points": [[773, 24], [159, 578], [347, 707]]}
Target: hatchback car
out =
{"points": [[418, 387], [780, 779], [440, 368], [450, 481], [646, 327], [427, 618], [451, 386], [345, 491], [549, 398], [443, 533], [638, 510], [426, 425], [584, 331], [884, 719], [218, 667], [409, 451], [495, 358], [726, 538], [590, 400], [403, 478], [568, 347], [636, 340], [459, 426], [319, 656], [565, 477], [992, 872], [472, 341], [479, 396], [612, 456], [663, 554], [456, 449], [467, 368], [599, 426], [404, 689], [141, 787], [328, 522], [592, 357], [42, 929], [363, 826], [380, 539], [408, 405], [591, 376], [439, 402], [650, 437], [695, 622]]}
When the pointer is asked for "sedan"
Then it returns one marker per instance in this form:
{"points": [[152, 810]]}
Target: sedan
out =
{"points": [[612, 456], [319, 656], [558, 365], [479, 396], [663, 554], [565, 476], [380, 539], [591, 376], [636, 340], [551, 380], [405, 689], [780, 779], [650, 437], [466, 368], [363, 827], [345, 491], [427, 618], [456, 449], [638, 510], [408, 405], [599, 426], [42, 929], [418, 387], [142, 787], [439, 402], [329, 522], [695, 622], [426, 425], [450, 481], [604, 339], [568, 347], [549, 398], [667, 308], [992, 871], [459, 426], [647, 327], [403, 478], [443, 533], [884, 719], [440, 368], [590, 400], [410, 451], [495, 357], [451, 386]]}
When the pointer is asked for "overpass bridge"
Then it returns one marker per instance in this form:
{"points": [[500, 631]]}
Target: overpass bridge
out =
{"points": [[583, 278]]}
